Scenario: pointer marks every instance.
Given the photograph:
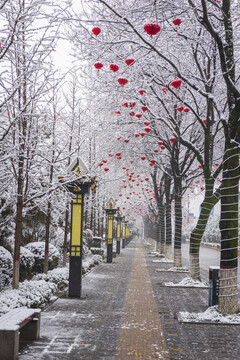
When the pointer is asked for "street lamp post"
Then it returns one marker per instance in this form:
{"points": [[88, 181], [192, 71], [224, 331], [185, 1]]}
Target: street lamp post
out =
{"points": [[110, 214], [124, 233], [77, 188], [119, 220]]}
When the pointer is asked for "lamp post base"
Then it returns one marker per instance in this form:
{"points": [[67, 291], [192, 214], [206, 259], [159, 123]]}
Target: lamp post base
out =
{"points": [[118, 247], [109, 253], [75, 276]]}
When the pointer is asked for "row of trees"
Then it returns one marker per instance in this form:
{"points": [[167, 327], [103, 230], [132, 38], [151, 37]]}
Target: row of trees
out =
{"points": [[182, 136], [37, 121], [203, 141]]}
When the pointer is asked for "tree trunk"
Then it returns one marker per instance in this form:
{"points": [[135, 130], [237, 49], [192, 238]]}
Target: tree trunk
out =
{"points": [[178, 231], [210, 200], [46, 254], [158, 236], [162, 229], [228, 294], [168, 250], [66, 231], [18, 238]]}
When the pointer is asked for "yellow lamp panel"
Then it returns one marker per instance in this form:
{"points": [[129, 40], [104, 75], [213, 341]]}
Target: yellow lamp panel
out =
{"points": [[110, 230], [118, 229], [124, 230], [76, 228]]}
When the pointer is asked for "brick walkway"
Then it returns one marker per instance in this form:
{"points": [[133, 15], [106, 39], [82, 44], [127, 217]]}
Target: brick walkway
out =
{"points": [[141, 331], [126, 312]]}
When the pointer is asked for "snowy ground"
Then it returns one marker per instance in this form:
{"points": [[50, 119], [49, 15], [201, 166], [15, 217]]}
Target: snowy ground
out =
{"points": [[42, 289], [183, 269], [187, 282], [211, 315]]}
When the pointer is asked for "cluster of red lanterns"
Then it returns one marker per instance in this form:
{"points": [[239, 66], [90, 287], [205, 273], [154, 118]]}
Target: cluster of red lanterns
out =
{"points": [[122, 81], [176, 83], [114, 67], [129, 61], [177, 22], [182, 108], [152, 28]]}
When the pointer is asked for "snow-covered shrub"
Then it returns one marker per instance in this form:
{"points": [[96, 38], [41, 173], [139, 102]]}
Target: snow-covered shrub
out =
{"points": [[31, 294], [96, 242], [87, 237], [97, 251], [59, 277], [6, 267], [27, 261], [38, 249], [90, 262]]}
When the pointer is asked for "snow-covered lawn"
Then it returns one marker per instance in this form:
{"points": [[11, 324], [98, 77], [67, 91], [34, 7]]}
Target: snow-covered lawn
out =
{"points": [[175, 269], [164, 260], [155, 254], [42, 289], [187, 282], [211, 315]]}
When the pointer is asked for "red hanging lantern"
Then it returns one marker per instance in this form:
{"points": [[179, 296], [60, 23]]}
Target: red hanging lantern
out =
{"points": [[146, 123], [147, 129], [118, 154], [119, 137], [205, 122], [141, 92], [117, 112], [129, 61], [110, 155], [176, 83], [131, 104], [119, 157], [126, 141], [146, 179], [106, 169], [165, 90], [136, 135], [96, 31], [180, 108], [142, 134], [177, 22], [162, 147], [132, 113], [160, 143], [139, 116], [152, 28], [101, 164], [98, 66], [155, 150], [114, 67], [144, 108], [122, 81], [172, 139], [143, 157], [186, 110]]}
